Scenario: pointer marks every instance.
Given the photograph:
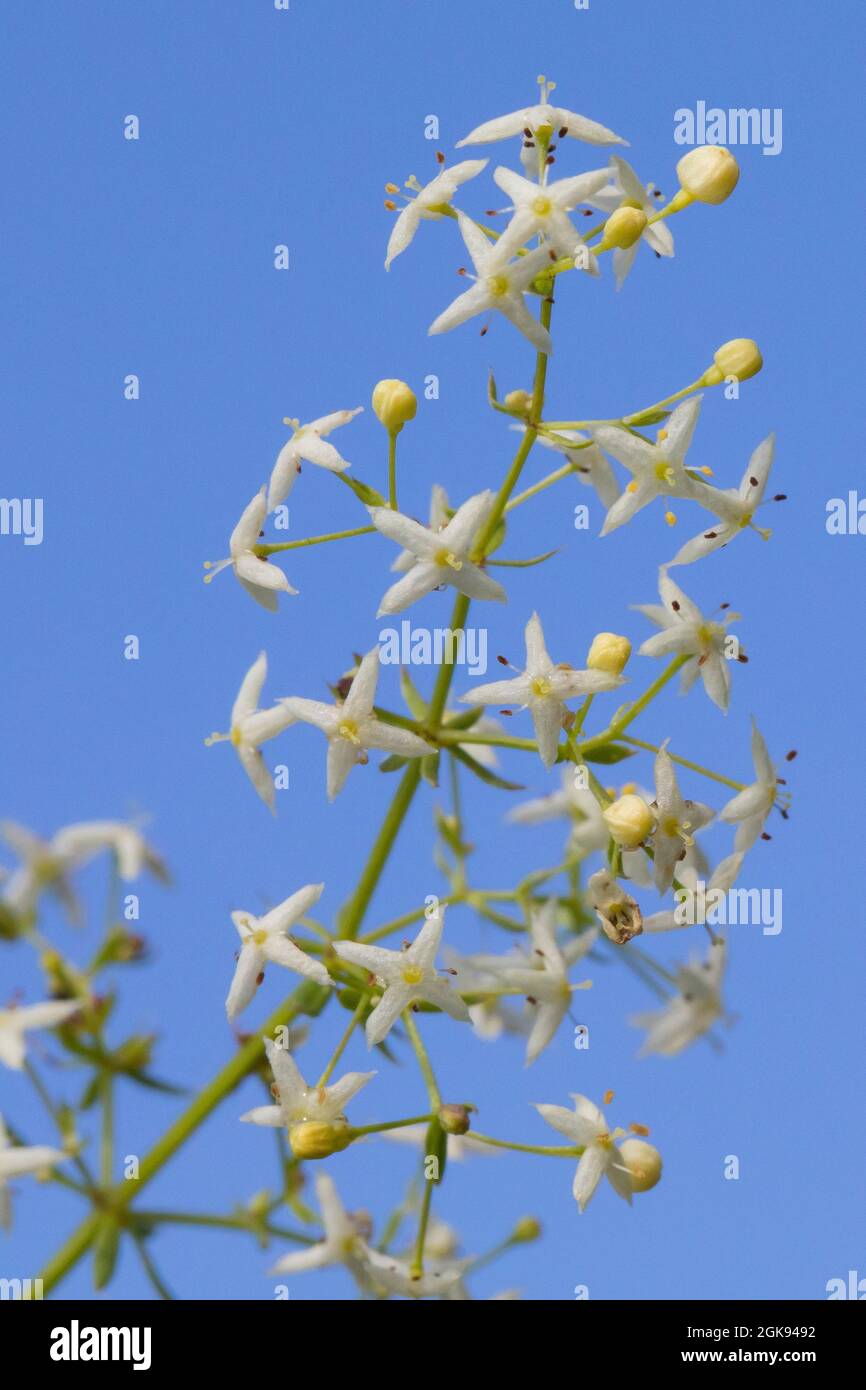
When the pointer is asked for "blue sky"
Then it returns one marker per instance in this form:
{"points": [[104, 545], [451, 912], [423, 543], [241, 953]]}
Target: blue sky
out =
{"points": [[155, 257]]}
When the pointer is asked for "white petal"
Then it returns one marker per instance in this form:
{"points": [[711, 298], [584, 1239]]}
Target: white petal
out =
{"points": [[247, 698], [245, 982]]}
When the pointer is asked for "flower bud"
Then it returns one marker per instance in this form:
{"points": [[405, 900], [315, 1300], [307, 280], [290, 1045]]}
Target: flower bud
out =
{"points": [[608, 653], [740, 358], [318, 1139], [454, 1119], [623, 227], [709, 173], [528, 1228], [394, 403], [518, 402], [629, 820], [643, 1161]]}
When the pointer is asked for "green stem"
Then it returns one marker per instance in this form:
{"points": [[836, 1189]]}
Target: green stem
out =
{"points": [[276, 548], [548, 1150], [352, 914], [107, 1145], [423, 1061], [359, 1130], [686, 762], [343, 1043], [392, 470], [417, 1266]]}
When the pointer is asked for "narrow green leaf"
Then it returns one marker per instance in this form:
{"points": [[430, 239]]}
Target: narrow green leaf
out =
{"points": [[485, 773]]}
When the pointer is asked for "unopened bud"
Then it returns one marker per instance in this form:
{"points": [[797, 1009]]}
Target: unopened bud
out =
{"points": [[394, 403], [740, 358], [518, 402], [708, 173], [528, 1228], [608, 653], [643, 1161], [629, 821], [317, 1139], [454, 1119], [624, 227]]}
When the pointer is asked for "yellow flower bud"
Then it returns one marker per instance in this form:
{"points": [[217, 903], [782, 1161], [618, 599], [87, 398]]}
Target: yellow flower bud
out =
{"points": [[520, 402], [629, 820], [317, 1139], [394, 403], [643, 1161], [608, 653], [741, 357], [528, 1228], [708, 173], [454, 1119], [623, 227]]}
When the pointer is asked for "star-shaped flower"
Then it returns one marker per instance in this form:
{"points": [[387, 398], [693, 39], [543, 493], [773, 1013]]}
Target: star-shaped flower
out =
{"points": [[542, 121], [721, 880], [542, 209], [15, 1162], [676, 820], [41, 869], [735, 507], [441, 556], [308, 443], [689, 1014], [587, 1127], [343, 1244], [626, 190], [14, 1023], [352, 728], [685, 630], [440, 514], [500, 285], [749, 809], [133, 854], [658, 470], [265, 939], [262, 580], [428, 203], [590, 465], [408, 976], [543, 688], [299, 1102], [251, 727]]}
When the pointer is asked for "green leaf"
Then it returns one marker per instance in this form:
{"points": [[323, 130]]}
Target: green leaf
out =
{"points": [[105, 1247], [649, 417], [436, 1146], [485, 773], [523, 564], [368, 495], [430, 769], [608, 753], [393, 762], [415, 703]]}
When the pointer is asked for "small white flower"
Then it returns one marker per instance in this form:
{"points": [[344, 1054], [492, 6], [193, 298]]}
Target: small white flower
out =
{"points": [[251, 727], [427, 203], [262, 580], [352, 728], [440, 514], [500, 285], [308, 444], [676, 820], [14, 1023], [544, 120], [343, 1243], [721, 880], [587, 1127], [17, 1161], [542, 210], [407, 976], [590, 465], [441, 556], [46, 864], [589, 832], [626, 188], [395, 1277], [749, 809], [133, 854], [543, 688], [299, 1102], [686, 631], [658, 470], [265, 939], [689, 1014], [735, 507]]}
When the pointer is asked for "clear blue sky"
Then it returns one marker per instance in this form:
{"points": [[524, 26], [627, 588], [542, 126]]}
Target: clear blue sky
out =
{"points": [[154, 257]]}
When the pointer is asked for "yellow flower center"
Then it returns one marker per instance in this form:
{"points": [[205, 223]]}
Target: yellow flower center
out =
{"points": [[349, 731], [542, 206], [498, 285], [540, 686], [446, 559], [664, 472], [235, 736], [413, 974], [259, 937]]}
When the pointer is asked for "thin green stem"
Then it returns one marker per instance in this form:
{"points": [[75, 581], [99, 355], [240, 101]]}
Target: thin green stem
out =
{"points": [[686, 762], [344, 1041], [423, 1060], [548, 1150], [358, 1130], [352, 914], [392, 470], [106, 1150], [417, 1266], [277, 547]]}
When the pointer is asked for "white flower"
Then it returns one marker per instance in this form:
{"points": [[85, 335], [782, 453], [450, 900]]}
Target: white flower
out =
{"points": [[587, 1127], [590, 465], [392, 1276], [658, 470], [589, 832], [427, 203], [407, 976], [676, 820], [686, 631], [262, 580], [543, 688], [721, 880], [265, 939], [343, 1243], [749, 809], [14, 1023], [690, 1013], [46, 864], [543, 210], [251, 727], [734, 506], [626, 188], [500, 285], [132, 852], [307, 443], [440, 513], [544, 120], [441, 556], [15, 1162], [351, 728], [299, 1102]]}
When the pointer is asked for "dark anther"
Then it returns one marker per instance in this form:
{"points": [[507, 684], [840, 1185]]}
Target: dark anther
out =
{"points": [[675, 605], [789, 757], [781, 497], [765, 836], [551, 159], [527, 132], [563, 131], [743, 658], [711, 535], [754, 482], [503, 660], [508, 712]]}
